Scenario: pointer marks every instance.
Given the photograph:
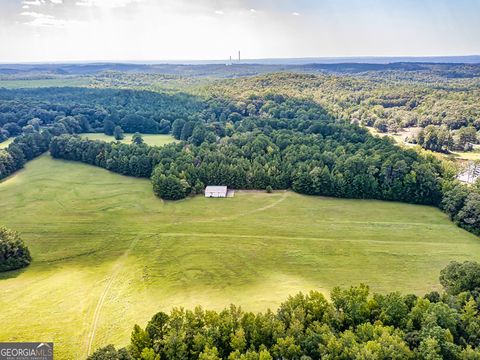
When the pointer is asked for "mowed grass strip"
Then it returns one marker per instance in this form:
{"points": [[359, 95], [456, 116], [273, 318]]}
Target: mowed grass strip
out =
{"points": [[149, 139], [76, 81], [4, 144], [109, 254]]}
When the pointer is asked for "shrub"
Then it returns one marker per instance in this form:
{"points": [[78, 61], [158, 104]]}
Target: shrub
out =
{"points": [[13, 252], [167, 187]]}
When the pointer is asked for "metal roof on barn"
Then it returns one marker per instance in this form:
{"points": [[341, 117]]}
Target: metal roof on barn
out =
{"points": [[216, 191]]}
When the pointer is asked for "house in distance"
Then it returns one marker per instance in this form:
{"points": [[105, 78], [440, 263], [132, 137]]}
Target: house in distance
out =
{"points": [[216, 191]]}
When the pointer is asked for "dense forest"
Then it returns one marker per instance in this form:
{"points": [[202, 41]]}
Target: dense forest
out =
{"points": [[354, 324], [442, 100], [91, 110], [388, 102]]}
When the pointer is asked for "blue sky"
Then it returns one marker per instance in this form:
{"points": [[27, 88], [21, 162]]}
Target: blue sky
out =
{"points": [[60, 30]]}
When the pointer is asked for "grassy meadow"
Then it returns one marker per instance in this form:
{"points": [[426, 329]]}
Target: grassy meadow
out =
{"points": [[150, 139], [108, 253], [466, 155], [38, 83]]}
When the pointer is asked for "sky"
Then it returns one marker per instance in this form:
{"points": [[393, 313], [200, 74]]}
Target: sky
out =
{"points": [[156, 30]]}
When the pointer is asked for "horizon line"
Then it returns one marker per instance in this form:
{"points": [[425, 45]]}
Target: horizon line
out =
{"points": [[235, 61]]}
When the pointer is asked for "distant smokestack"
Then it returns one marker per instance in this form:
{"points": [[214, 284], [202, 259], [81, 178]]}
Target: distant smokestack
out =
{"points": [[239, 56]]}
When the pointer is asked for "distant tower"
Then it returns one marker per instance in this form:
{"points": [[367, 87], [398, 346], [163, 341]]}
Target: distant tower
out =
{"points": [[239, 56]]}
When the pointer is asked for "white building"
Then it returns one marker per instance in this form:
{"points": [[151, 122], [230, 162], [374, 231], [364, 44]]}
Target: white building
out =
{"points": [[216, 191]]}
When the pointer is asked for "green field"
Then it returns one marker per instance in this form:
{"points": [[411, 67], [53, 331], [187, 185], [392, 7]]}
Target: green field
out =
{"points": [[150, 139], [466, 155], [37, 83], [108, 254], [4, 144]]}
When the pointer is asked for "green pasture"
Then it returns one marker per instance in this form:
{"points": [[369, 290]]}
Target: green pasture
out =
{"points": [[38, 83], [108, 253]]}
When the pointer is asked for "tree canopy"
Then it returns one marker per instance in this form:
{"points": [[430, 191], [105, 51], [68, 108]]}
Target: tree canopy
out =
{"points": [[14, 254]]}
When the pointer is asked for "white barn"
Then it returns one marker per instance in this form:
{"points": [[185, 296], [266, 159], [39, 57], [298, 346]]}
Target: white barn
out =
{"points": [[216, 191]]}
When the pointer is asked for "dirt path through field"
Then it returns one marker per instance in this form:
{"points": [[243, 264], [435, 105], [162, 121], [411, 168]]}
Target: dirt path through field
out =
{"points": [[98, 309], [266, 207]]}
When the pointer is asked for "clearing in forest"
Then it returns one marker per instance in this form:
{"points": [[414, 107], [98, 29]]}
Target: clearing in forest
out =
{"points": [[149, 139]]}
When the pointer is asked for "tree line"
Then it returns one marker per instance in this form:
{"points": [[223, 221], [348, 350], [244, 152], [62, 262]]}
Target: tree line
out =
{"points": [[462, 204], [312, 154], [276, 142], [254, 161], [24, 148], [354, 324]]}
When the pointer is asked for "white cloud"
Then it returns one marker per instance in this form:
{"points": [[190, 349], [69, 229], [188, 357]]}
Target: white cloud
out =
{"points": [[41, 20], [57, 2], [295, 13], [33, 2], [26, 7], [34, 14], [106, 3], [253, 10], [219, 12], [48, 22]]}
